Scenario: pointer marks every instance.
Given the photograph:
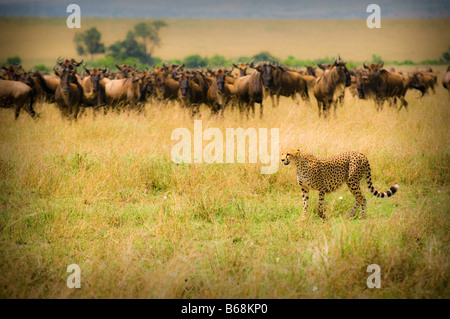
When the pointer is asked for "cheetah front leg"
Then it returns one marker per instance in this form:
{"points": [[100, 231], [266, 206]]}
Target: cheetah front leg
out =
{"points": [[305, 197]]}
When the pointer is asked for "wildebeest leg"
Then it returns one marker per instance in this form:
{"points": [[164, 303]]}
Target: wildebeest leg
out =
{"points": [[326, 108], [272, 98], [335, 107], [319, 106], [305, 97], [76, 111], [295, 99], [17, 111], [252, 107], [404, 104], [29, 108], [261, 108], [82, 110], [378, 103], [195, 108]]}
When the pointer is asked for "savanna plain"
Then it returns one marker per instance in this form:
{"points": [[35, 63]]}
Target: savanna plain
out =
{"points": [[104, 193]]}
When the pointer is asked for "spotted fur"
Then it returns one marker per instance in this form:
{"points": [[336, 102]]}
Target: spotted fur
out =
{"points": [[327, 175]]}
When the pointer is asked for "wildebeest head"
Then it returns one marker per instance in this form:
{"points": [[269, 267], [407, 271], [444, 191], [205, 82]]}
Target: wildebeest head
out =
{"points": [[242, 67], [27, 79], [71, 64], [310, 70], [374, 68], [220, 79], [96, 75], [342, 67], [184, 85], [267, 73], [125, 69], [12, 72], [66, 75], [361, 82]]}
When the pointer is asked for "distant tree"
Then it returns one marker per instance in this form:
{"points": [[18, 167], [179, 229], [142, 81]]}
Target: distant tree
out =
{"points": [[217, 61], [376, 59], [263, 56], [195, 61], [42, 68], [14, 60], [149, 33], [129, 48], [88, 42]]}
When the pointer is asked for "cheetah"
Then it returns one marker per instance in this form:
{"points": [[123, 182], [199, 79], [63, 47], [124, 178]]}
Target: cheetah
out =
{"points": [[327, 175]]}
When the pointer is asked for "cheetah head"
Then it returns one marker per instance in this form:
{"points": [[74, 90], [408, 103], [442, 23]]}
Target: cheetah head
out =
{"points": [[286, 156]]}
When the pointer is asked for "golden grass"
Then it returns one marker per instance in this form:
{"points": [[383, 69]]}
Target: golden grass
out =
{"points": [[103, 193], [41, 40]]}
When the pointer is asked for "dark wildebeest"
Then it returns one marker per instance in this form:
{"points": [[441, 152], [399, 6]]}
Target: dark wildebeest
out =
{"points": [[383, 85], [329, 86], [423, 81], [94, 92], [249, 91], [45, 86], [221, 91], [11, 72], [166, 87], [277, 81], [121, 92], [124, 71], [446, 80], [69, 93], [147, 86], [17, 94], [190, 93]]}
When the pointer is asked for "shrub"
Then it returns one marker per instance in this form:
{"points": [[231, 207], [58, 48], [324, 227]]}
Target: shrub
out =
{"points": [[195, 61]]}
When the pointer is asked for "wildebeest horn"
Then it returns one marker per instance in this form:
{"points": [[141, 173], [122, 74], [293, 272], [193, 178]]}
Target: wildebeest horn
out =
{"points": [[382, 63], [251, 63], [59, 62], [77, 63], [56, 71], [365, 66]]}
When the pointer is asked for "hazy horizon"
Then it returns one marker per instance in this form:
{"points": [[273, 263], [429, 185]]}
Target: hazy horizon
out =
{"points": [[232, 9]]}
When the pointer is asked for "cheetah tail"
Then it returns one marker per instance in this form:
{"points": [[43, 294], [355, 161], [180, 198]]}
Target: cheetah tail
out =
{"points": [[391, 191]]}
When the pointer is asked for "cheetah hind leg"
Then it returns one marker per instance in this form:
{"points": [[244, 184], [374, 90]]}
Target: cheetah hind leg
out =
{"points": [[360, 201]]}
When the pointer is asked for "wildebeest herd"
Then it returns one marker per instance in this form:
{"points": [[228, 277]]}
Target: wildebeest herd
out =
{"points": [[130, 88]]}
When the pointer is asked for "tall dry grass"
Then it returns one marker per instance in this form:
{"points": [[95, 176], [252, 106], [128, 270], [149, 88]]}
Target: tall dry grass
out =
{"points": [[104, 193]]}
